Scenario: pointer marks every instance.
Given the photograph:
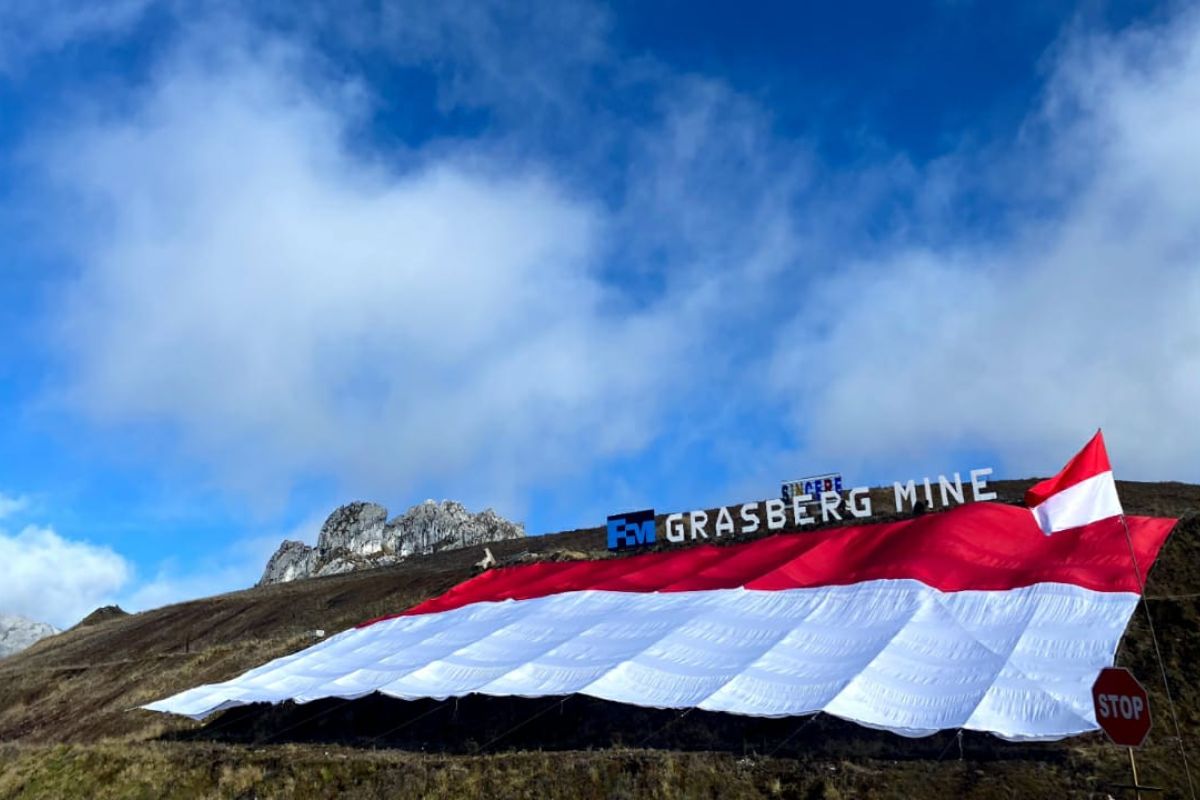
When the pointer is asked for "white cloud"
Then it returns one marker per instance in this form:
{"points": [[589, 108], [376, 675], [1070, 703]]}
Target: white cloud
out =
{"points": [[48, 578], [1084, 315], [514, 56], [31, 27], [288, 307], [51, 578], [12, 504], [237, 566], [284, 305]]}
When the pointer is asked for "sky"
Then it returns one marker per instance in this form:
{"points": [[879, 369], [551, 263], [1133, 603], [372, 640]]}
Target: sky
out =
{"points": [[567, 259]]}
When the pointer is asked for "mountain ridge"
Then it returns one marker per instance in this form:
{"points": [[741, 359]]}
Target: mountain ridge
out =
{"points": [[18, 633], [359, 536]]}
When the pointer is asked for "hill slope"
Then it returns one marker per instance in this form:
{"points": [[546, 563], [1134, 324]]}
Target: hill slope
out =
{"points": [[66, 724]]}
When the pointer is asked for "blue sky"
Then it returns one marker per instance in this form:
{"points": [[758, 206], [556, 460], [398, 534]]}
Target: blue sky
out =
{"points": [[564, 259]]}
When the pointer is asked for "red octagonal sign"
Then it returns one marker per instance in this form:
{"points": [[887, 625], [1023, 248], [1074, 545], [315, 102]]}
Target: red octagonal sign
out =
{"points": [[1122, 707]]}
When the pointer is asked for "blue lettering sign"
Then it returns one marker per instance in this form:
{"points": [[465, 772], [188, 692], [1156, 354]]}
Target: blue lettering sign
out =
{"points": [[635, 529]]}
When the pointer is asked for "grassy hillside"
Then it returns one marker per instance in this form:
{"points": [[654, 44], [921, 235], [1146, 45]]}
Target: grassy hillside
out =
{"points": [[69, 728]]}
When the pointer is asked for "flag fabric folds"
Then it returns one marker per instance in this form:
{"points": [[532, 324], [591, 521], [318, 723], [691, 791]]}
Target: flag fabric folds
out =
{"points": [[1084, 490], [987, 617]]}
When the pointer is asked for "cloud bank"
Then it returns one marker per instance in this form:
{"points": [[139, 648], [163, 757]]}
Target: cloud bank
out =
{"points": [[30, 28], [12, 504], [1085, 314], [49, 578], [511, 309], [283, 304]]}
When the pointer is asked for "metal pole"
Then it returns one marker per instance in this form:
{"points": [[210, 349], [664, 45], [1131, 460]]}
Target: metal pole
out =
{"points": [[1137, 787]]}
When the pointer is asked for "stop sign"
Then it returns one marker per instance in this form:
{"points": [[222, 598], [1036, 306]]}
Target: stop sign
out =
{"points": [[1122, 707]]}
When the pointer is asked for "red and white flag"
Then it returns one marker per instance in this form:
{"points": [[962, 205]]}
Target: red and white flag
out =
{"points": [[970, 618], [1082, 493]]}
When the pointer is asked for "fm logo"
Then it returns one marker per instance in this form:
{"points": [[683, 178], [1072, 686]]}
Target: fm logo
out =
{"points": [[634, 529]]}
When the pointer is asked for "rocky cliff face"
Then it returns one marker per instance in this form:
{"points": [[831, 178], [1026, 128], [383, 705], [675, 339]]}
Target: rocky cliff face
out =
{"points": [[17, 633], [359, 535]]}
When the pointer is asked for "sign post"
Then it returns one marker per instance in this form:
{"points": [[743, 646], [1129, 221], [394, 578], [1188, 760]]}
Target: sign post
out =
{"points": [[1123, 713]]}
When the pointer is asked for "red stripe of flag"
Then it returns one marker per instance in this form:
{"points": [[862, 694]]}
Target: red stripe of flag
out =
{"points": [[1089, 462], [979, 546]]}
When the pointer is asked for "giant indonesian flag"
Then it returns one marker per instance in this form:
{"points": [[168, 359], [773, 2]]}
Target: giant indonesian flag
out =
{"points": [[987, 617]]}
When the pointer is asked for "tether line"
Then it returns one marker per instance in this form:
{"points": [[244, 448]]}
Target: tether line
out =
{"points": [[949, 744], [520, 725], [194, 734], [669, 723], [406, 723], [336, 707], [793, 734], [1162, 667]]}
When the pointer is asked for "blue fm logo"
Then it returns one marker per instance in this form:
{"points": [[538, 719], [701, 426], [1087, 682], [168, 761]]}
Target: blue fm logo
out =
{"points": [[634, 529]]}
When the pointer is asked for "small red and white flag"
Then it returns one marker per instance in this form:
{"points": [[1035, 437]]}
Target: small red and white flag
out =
{"points": [[971, 618], [1082, 493]]}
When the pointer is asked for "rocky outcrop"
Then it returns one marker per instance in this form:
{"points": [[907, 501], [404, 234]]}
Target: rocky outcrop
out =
{"points": [[102, 614], [292, 560], [18, 633], [359, 536]]}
